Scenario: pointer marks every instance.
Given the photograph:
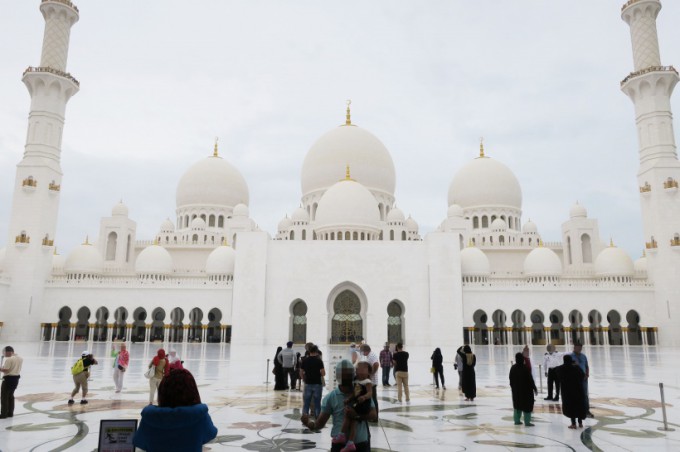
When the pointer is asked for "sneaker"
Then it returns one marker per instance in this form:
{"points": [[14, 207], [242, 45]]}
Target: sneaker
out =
{"points": [[556, 399], [83, 402], [530, 425], [350, 447], [71, 402], [340, 438]]}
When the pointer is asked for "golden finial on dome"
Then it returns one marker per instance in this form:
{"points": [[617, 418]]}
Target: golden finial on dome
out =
{"points": [[155, 241], [540, 243], [348, 119], [347, 175], [481, 147], [215, 153], [56, 254], [87, 240], [611, 242], [471, 243]]}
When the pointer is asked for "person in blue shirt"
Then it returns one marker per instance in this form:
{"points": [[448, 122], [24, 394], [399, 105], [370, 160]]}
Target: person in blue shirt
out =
{"points": [[180, 421], [581, 360], [334, 405]]}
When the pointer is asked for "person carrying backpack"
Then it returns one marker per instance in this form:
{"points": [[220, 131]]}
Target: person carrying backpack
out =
{"points": [[81, 372]]}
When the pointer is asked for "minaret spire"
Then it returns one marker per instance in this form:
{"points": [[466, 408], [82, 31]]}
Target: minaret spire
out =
{"points": [[348, 116], [650, 86], [35, 203]]}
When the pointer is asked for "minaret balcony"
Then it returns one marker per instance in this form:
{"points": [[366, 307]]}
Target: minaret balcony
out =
{"points": [[22, 239], [50, 70], [648, 70], [653, 245], [675, 241], [54, 187], [67, 3], [47, 242], [645, 189]]}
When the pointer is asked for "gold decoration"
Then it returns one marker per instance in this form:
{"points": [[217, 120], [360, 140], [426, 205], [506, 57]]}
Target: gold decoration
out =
{"points": [[481, 147], [348, 119], [646, 188], [29, 182], [54, 186], [215, 153], [87, 240], [670, 183], [22, 238]]}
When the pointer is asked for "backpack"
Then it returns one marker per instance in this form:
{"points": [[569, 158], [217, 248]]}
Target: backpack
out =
{"points": [[78, 367]]}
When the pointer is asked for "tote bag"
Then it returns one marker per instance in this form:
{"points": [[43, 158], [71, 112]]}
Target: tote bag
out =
{"points": [[151, 372]]}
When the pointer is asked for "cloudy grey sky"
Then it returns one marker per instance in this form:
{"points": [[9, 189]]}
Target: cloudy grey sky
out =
{"points": [[160, 79]]}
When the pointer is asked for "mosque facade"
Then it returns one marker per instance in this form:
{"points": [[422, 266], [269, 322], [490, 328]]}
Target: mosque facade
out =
{"points": [[347, 265]]}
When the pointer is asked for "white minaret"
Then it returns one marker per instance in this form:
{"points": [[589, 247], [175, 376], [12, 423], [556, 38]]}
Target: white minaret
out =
{"points": [[35, 204], [650, 86]]}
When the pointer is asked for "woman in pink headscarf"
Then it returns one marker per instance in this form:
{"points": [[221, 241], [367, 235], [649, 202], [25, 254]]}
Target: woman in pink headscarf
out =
{"points": [[160, 363]]}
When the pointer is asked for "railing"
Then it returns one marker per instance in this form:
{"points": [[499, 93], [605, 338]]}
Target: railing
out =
{"points": [[647, 71], [651, 245], [23, 238], [625, 5], [47, 242], [52, 71], [63, 2], [675, 241], [137, 283], [506, 283]]}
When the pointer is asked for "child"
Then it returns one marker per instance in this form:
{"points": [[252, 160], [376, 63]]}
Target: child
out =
{"points": [[360, 401]]}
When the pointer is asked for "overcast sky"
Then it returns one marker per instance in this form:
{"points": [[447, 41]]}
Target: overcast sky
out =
{"points": [[539, 80]]}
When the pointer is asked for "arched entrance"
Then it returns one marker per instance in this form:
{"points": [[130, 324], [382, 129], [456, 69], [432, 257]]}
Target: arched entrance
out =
{"points": [[481, 331], [500, 336], [299, 322], [615, 334], [576, 323], [634, 333], [101, 326], [537, 328], [214, 332], [138, 325], [195, 327], [176, 328], [83, 326], [64, 324], [119, 324], [595, 335], [347, 324], [395, 331], [157, 325], [556, 328]]}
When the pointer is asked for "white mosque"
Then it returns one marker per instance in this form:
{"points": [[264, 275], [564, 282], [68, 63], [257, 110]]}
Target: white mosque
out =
{"points": [[347, 264]]}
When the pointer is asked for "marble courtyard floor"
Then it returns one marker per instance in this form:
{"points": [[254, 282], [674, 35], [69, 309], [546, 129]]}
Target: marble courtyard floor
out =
{"points": [[624, 391]]}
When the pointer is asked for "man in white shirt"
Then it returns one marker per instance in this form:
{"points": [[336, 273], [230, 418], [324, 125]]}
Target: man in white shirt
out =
{"points": [[551, 361], [372, 359], [11, 368]]}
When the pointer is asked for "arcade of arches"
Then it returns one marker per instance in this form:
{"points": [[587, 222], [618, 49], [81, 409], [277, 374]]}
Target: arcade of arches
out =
{"points": [[558, 329], [138, 327]]}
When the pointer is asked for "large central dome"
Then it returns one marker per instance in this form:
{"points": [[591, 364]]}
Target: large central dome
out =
{"points": [[485, 182], [212, 182], [369, 159]]}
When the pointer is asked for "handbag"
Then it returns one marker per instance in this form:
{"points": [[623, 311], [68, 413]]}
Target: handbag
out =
{"points": [[432, 370], [121, 368], [151, 372]]}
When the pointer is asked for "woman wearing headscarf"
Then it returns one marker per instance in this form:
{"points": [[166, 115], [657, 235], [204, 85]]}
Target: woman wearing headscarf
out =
{"points": [[180, 421], [160, 363], [174, 361], [571, 382], [438, 366], [120, 365], [523, 391], [280, 381], [469, 380]]}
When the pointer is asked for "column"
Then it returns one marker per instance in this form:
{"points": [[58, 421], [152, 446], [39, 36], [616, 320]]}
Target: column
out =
{"points": [[72, 331], [90, 332], [643, 331], [53, 332]]}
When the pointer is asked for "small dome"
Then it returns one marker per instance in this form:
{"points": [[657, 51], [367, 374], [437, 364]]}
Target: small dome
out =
{"points": [[347, 203], [542, 261], [578, 211], [198, 224], [613, 261], [411, 224], [640, 265], [455, 211], [300, 216], [3, 253], [368, 158], [167, 227], [285, 224], [499, 225], [221, 261], [395, 215], [530, 228], [473, 262], [84, 259], [119, 210], [58, 262], [485, 182], [154, 260], [241, 210], [212, 182]]}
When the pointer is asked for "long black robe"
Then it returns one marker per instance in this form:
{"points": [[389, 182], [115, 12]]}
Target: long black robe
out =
{"points": [[571, 381], [280, 380], [523, 387], [469, 381]]}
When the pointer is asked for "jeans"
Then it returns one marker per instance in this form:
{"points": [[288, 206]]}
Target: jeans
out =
{"points": [[439, 373], [312, 392], [153, 387], [118, 378], [290, 371], [386, 375]]}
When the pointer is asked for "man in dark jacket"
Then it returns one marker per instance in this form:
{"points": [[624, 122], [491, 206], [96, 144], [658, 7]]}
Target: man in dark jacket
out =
{"points": [[523, 391]]}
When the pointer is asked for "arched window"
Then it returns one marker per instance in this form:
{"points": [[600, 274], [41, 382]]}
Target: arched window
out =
{"points": [[292, 235], [211, 221], [403, 235], [299, 322], [355, 235], [111, 244], [569, 261], [391, 234], [395, 332], [304, 234], [347, 236], [128, 251], [347, 324], [485, 221], [586, 249], [220, 221]]}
